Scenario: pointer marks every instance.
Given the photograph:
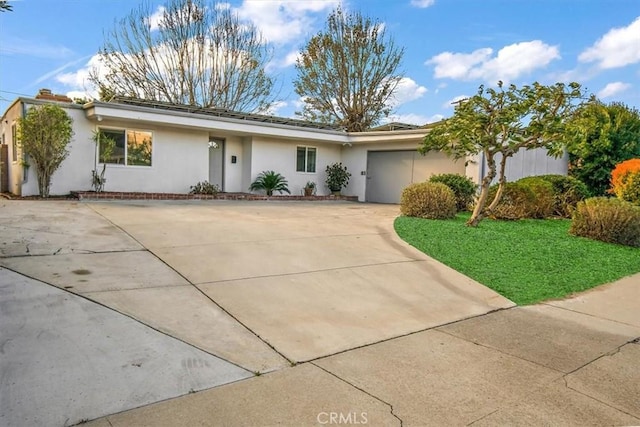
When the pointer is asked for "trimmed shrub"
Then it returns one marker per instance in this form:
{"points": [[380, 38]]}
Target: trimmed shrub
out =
{"points": [[607, 220], [568, 191], [544, 203], [517, 202], [625, 181], [432, 200], [463, 188], [204, 187]]}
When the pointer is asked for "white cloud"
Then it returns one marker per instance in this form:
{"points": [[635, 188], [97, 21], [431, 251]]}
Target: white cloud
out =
{"points": [[422, 3], [453, 101], [155, 18], [299, 103], [290, 59], [511, 62], [280, 62], [79, 80], [612, 89], [407, 90], [282, 21], [617, 48], [458, 65], [413, 119]]}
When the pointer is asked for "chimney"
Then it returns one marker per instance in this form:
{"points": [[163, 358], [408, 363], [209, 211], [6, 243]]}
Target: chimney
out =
{"points": [[50, 96]]}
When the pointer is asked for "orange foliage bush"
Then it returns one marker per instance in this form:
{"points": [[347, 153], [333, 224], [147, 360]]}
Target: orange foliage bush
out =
{"points": [[625, 180]]}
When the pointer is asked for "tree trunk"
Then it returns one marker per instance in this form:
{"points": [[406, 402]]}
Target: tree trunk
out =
{"points": [[501, 182], [478, 211], [44, 182]]}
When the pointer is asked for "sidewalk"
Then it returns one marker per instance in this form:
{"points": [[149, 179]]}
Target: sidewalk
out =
{"points": [[569, 362]]}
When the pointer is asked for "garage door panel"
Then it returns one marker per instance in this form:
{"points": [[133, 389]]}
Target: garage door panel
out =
{"points": [[388, 173]]}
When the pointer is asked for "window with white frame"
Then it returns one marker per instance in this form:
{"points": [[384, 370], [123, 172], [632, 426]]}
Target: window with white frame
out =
{"points": [[125, 147], [306, 159]]}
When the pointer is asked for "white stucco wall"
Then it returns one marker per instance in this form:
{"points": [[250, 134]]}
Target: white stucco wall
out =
{"points": [[180, 159], [280, 156], [15, 172]]}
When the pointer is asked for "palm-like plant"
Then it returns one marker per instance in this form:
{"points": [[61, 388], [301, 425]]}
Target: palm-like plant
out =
{"points": [[270, 182]]}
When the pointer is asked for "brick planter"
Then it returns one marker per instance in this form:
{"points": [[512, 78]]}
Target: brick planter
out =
{"points": [[108, 195]]}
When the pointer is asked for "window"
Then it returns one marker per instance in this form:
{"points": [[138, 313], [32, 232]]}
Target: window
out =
{"points": [[14, 143], [125, 147], [306, 159]]}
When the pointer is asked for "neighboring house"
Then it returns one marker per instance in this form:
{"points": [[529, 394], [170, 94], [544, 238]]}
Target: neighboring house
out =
{"points": [[167, 148]]}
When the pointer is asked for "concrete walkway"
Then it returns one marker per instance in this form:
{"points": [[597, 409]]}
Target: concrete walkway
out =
{"points": [[379, 332]]}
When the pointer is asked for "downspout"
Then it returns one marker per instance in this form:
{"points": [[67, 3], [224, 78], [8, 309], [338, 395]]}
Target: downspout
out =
{"points": [[25, 171]]}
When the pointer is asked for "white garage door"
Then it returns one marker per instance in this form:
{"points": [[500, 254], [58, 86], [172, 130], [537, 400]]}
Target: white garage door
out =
{"points": [[389, 172]]}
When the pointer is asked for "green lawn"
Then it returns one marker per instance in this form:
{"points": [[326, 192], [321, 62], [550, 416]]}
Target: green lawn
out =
{"points": [[526, 261]]}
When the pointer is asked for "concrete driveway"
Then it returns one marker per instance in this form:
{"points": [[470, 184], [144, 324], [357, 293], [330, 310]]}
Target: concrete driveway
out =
{"points": [[374, 328], [259, 284]]}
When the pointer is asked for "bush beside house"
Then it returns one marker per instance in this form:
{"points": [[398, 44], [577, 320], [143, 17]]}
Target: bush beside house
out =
{"points": [[432, 200], [462, 186]]}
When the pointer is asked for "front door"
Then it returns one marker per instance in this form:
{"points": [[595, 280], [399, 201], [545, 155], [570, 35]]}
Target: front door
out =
{"points": [[216, 162]]}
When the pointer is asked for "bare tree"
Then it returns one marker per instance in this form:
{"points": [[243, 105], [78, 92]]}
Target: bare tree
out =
{"points": [[198, 53], [348, 72], [5, 6]]}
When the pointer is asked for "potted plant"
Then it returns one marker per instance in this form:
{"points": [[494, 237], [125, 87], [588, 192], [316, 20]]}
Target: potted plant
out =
{"points": [[309, 188], [337, 177]]}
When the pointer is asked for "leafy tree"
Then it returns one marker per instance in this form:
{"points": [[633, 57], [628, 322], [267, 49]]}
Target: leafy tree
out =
{"points": [[270, 181], [44, 134], [498, 123], [605, 135], [199, 54], [5, 6], [348, 72]]}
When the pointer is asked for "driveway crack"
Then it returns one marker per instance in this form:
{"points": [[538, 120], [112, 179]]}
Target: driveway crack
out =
{"points": [[608, 354], [391, 409], [483, 417]]}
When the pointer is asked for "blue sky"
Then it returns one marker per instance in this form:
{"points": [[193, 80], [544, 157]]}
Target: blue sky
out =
{"points": [[451, 46]]}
